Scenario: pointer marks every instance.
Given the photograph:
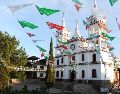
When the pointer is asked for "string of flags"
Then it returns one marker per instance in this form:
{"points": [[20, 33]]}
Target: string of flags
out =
{"points": [[46, 11]]}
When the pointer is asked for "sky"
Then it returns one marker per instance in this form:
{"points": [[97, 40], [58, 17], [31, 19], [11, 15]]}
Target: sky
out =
{"points": [[9, 21]]}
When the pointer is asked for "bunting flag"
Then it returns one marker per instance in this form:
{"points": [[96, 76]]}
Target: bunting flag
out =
{"points": [[97, 49], [104, 27], [46, 57], [65, 43], [15, 8], [77, 1], [77, 4], [94, 36], [46, 11], [112, 2], [27, 24], [68, 52], [30, 35], [42, 54], [37, 40], [86, 24], [63, 46], [111, 49], [107, 36], [41, 49], [54, 26], [118, 23]]}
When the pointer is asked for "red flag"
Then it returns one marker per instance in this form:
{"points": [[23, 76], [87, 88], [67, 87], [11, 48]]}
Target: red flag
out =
{"points": [[54, 26], [118, 23], [65, 47], [77, 6], [101, 25]]}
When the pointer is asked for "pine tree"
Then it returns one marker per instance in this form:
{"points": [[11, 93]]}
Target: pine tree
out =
{"points": [[49, 79]]}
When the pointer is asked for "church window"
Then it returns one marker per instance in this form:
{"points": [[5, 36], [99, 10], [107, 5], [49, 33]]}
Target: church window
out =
{"points": [[41, 74], [62, 60], [61, 73], [94, 74], [83, 58], [57, 73], [94, 57], [58, 62], [83, 74], [73, 58]]}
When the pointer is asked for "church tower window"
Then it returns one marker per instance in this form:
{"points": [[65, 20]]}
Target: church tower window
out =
{"points": [[94, 74], [94, 57], [62, 60], [61, 73], [58, 62], [57, 73], [73, 58], [83, 58], [83, 74]]}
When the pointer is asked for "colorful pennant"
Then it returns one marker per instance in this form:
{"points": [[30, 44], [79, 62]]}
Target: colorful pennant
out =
{"points": [[107, 36], [112, 2], [65, 43], [15, 8], [27, 24], [30, 34], [68, 53], [101, 25], [111, 49], [41, 49], [54, 26], [46, 11], [37, 40]]}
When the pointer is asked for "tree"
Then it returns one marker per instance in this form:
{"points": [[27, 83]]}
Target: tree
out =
{"points": [[49, 79], [13, 56]]}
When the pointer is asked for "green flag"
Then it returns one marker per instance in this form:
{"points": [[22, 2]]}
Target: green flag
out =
{"points": [[65, 43], [41, 49], [112, 2], [112, 48], [46, 11], [27, 24], [77, 1], [107, 36], [68, 53]]}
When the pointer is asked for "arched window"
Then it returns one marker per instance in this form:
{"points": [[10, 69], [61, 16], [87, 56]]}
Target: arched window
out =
{"points": [[94, 73], [62, 60], [61, 73], [83, 58], [83, 73], [58, 62], [94, 57], [57, 73], [73, 58]]}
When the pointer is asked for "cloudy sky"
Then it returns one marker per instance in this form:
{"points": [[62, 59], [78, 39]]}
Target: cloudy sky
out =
{"points": [[9, 21]]}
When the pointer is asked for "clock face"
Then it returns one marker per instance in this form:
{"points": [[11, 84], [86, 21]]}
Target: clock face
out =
{"points": [[72, 47]]}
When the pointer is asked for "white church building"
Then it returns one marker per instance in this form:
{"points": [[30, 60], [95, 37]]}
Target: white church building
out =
{"points": [[87, 59]]}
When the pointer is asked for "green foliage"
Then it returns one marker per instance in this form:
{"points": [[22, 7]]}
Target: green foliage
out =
{"points": [[49, 79], [13, 56]]}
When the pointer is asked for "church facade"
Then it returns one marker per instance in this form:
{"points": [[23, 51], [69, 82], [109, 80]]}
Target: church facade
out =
{"points": [[82, 58]]}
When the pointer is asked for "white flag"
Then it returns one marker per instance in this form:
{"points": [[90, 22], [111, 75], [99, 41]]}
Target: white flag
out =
{"points": [[15, 8]]}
